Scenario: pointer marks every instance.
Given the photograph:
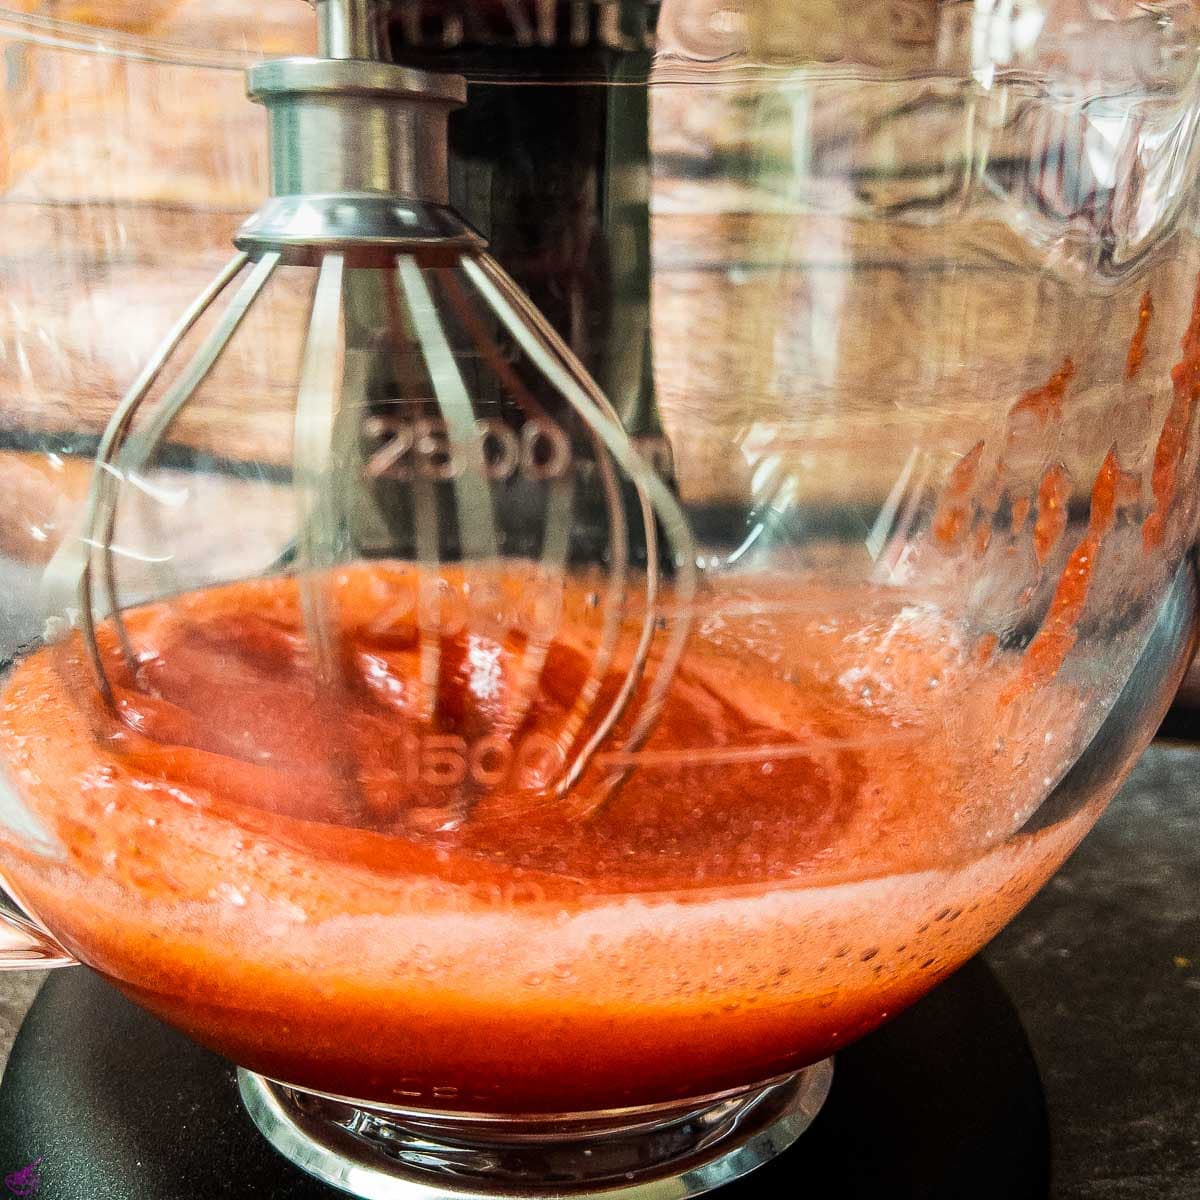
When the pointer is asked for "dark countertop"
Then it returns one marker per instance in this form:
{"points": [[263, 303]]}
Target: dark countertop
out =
{"points": [[1104, 966]]}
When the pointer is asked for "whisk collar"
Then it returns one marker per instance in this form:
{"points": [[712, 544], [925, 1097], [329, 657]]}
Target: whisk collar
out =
{"points": [[369, 229], [351, 126]]}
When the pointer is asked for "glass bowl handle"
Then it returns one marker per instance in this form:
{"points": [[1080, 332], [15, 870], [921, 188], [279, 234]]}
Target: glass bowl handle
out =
{"points": [[24, 944]]}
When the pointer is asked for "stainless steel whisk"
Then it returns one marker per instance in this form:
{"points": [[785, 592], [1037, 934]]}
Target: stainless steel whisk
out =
{"points": [[359, 179]]}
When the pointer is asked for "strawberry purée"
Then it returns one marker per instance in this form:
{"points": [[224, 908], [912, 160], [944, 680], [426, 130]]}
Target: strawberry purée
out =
{"points": [[820, 830]]}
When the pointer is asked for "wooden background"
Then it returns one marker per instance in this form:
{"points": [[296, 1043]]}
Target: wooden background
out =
{"points": [[845, 275]]}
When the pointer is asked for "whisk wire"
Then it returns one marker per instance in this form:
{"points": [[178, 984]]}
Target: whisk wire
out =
{"points": [[101, 491], [476, 513], [556, 531], [143, 444], [317, 402], [547, 351], [315, 466], [473, 497]]}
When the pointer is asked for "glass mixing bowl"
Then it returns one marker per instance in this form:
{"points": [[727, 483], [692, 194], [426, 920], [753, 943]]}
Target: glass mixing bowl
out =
{"points": [[900, 301]]}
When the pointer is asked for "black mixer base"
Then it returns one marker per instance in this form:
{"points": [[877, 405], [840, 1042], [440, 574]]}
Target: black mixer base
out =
{"points": [[944, 1103]]}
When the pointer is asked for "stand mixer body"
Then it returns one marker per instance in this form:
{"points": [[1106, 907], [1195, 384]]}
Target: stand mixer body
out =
{"points": [[615, 744]]}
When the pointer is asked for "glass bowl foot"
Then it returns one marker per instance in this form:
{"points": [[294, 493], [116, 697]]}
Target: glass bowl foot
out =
{"points": [[666, 1152]]}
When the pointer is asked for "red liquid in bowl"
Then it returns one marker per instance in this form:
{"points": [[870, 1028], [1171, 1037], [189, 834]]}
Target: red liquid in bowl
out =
{"points": [[820, 827]]}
